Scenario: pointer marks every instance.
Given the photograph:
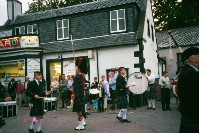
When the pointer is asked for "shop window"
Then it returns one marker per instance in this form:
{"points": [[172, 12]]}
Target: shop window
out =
{"points": [[117, 21], [55, 70], [32, 29], [62, 29]]}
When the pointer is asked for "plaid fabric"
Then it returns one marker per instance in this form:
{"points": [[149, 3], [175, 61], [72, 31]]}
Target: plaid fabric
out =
{"points": [[79, 93], [151, 94], [122, 102], [189, 125]]}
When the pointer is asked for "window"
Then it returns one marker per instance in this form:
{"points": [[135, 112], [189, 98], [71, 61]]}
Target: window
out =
{"points": [[152, 33], [148, 31], [32, 29], [63, 29], [117, 21], [19, 30]]}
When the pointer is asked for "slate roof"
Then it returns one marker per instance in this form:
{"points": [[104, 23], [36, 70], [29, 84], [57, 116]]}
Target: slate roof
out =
{"points": [[75, 9], [184, 37], [90, 43]]}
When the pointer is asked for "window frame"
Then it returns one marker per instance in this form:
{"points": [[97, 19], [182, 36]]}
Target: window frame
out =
{"points": [[117, 18], [20, 30], [32, 32], [62, 27]]}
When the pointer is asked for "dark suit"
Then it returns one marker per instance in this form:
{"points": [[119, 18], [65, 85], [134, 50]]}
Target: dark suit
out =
{"points": [[32, 90], [121, 94], [188, 87], [12, 86]]}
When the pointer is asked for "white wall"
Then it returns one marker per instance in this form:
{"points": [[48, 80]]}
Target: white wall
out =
{"points": [[150, 47]]}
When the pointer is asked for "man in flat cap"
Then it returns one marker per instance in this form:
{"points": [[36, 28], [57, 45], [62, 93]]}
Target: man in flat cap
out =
{"points": [[188, 87]]}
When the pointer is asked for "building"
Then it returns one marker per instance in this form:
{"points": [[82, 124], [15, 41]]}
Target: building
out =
{"points": [[110, 33], [185, 38]]}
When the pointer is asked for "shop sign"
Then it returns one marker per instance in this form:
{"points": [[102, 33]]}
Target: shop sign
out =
{"points": [[5, 33], [9, 43], [29, 41]]}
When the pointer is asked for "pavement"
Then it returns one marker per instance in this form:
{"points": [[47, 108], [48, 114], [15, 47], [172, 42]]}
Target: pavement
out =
{"points": [[64, 121]]}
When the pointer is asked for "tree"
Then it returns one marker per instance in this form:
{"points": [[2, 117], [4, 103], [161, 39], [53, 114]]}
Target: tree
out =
{"points": [[170, 14]]}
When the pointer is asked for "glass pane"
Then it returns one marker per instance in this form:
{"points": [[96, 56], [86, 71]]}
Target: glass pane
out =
{"points": [[16, 31], [59, 23], [113, 14], [29, 29], [60, 34], [66, 34], [35, 28], [121, 24], [22, 30], [65, 23], [121, 13], [113, 25]]}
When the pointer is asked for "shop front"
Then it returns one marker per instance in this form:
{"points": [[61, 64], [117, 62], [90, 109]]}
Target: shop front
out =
{"points": [[19, 57]]}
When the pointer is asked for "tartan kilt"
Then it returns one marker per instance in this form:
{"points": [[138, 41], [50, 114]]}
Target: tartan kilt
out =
{"points": [[152, 93], [37, 109], [122, 102], [79, 103]]}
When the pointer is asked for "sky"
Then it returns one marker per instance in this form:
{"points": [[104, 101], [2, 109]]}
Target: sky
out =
{"points": [[3, 9]]}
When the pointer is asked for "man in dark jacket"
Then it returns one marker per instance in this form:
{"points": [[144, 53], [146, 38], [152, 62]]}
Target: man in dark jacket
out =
{"points": [[36, 90], [188, 88], [12, 86]]}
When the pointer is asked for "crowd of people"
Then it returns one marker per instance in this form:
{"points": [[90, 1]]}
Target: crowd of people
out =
{"points": [[76, 94]]}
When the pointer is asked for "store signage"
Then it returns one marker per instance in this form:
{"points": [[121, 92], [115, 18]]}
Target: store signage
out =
{"points": [[32, 66], [29, 41], [5, 33], [9, 43]]}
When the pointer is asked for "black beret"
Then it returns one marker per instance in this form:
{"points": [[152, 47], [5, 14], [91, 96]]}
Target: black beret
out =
{"points": [[82, 64], [189, 52]]}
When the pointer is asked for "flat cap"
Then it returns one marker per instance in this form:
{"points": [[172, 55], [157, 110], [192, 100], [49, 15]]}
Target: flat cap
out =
{"points": [[189, 52]]}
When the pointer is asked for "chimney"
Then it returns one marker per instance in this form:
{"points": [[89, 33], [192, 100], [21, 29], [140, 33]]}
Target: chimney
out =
{"points": [[14, 8]]}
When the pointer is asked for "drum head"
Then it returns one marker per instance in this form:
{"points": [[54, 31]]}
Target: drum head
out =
{"points": [[141, 83], [94, 91]]}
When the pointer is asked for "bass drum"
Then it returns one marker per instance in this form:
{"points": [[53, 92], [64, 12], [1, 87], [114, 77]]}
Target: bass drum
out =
{"points": [[94, 94], [141, 83]]}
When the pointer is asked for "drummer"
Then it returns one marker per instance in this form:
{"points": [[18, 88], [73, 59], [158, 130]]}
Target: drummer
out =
{"points": [[94, 98]]}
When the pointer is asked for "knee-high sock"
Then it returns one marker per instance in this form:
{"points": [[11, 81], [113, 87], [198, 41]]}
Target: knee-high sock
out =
{"points": [[124, 113], [34, 121], [153, 103], [120, 113], [39, 123], [149, 103]]}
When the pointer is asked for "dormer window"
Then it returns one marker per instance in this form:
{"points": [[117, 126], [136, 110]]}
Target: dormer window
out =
{"points": [[20, 30], [32, 29], [62, 29], [117, 21]]}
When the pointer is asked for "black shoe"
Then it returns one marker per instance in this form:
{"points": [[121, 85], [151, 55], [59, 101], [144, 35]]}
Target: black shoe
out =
{"points": [[31, 130], [61, 108], [149, 108], [112, 108], [125, 120], [39, 132], [119, 118], [169, 109], [153, 108]]}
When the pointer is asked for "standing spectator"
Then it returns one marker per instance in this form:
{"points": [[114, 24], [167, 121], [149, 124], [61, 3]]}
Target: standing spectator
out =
{"points": [[36, 90], [25, 97], [101, 98], [67, 94], [63, 88], [165, 91], [112, 85], [2, 91], [151, 90], [175, 88], [95, 97], [12, 86], [188, 89], [70, 87], [121, 95], [19, 93], [105, 86], [54, 88]]}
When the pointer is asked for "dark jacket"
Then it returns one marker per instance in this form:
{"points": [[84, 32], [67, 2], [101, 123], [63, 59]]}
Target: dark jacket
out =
{"points": [[12, 86], [35, 89], [188, 89], [94, 85], [120, 85]]}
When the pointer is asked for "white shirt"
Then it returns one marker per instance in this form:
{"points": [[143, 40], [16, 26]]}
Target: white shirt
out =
{"points": [[151, 78]]}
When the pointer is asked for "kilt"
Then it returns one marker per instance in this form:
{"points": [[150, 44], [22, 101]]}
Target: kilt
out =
{"points": [[189, 125], [37, 109], [122, 102], [151, 94], [79, 103]]}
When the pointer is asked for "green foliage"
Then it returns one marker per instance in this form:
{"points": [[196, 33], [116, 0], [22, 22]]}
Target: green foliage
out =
{"points": [[171, 14]]}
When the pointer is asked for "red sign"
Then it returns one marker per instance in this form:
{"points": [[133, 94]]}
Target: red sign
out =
{"points": [[9, 43]]}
